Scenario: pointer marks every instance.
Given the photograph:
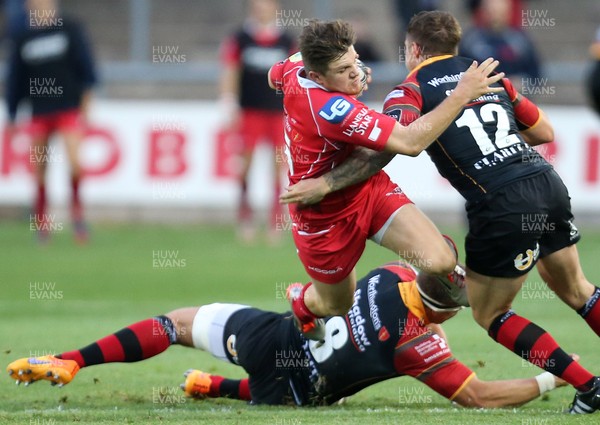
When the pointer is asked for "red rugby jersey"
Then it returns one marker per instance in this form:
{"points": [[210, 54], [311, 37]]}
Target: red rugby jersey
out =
{"points": [[322, 128]]}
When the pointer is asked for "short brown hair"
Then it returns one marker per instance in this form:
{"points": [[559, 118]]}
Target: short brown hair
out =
{"points": [[322, 42], [436, 32]]}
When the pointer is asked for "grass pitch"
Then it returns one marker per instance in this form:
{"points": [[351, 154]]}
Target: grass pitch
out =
{"points": [[62, 296]]}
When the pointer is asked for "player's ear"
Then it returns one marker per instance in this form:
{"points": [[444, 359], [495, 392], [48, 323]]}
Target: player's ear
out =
{"points": [[316, 77], [416, 50]]}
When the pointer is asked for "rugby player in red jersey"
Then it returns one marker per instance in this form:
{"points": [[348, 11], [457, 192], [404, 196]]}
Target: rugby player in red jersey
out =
{"points": [[390, 331], [251, 108], [51, 67], [324, 123], [518, 208]]}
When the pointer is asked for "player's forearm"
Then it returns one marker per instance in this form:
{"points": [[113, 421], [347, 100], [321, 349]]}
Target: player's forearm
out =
{"points": [[513, 392], [359, 166], [505, 393], [417, 136]]}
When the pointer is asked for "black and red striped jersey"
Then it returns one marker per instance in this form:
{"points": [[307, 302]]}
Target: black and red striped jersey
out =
{"points": [[255, 52], [50, 67], [482, 149], [384, 335]]}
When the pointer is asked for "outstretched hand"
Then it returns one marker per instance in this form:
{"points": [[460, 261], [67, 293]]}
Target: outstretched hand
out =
{"points": [[476, 80], [305, 192]]}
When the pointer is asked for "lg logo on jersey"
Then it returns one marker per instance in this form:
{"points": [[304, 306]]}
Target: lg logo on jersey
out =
{"points": [[335, 109]]}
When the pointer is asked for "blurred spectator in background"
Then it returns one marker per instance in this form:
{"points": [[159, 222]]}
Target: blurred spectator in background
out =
{"points": [[593, 81], [477, 14], [14, 19], [51, 68], [364, 45], [493, 36], [250, 106], [406, 9]]}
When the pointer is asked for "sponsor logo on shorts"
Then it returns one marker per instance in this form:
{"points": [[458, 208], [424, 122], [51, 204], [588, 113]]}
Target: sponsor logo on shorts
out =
{"points": [[336, 109], [524, 262], [574, 232], [324, 271], [231, 348]]}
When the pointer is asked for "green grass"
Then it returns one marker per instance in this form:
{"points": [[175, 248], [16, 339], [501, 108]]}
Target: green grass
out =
{"points": [[111, 283]]}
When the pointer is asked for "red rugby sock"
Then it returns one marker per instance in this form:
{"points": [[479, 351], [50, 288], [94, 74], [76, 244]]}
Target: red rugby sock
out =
{"points": [[134, 343], [40, 203], [537, 346], [300, 309], [238, 389], [76, 210]]}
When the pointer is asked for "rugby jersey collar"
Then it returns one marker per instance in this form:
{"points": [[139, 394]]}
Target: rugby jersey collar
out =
{"points": [[428, 62]]}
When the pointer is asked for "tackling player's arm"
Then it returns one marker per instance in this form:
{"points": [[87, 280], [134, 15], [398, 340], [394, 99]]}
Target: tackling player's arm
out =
{"points": [[533, 124], [458, 383], [505, 393], [409, 139], [359, 166], [416, 137]]}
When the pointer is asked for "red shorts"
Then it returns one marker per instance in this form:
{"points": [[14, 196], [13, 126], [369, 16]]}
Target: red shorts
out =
{"points": [[64, 121], [257, 125], [425, 355], [330, 251]]}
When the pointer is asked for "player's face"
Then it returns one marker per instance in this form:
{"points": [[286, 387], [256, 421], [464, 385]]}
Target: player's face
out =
{"points": [[343, 74], [264, 11]]}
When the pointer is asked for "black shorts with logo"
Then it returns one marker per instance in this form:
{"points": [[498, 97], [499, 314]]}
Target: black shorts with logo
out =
{"points": [[510, 228], [262, 339]]}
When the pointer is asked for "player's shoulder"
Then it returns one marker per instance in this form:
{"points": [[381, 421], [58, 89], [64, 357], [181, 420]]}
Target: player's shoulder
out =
{"points": [[406, 94], [291, 62], [399, 92], [285, 68]]}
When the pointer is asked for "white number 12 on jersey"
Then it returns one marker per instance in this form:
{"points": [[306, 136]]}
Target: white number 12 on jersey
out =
{"points": [[490, 112]]}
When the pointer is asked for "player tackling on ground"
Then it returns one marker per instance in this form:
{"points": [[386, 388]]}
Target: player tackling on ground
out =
{"points": [[385, 334], [324, 123], [518, 208]]}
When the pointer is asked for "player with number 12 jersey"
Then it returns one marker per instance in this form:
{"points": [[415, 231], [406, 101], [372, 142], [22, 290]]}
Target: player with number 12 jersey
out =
{"points": [[483, 149]]}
